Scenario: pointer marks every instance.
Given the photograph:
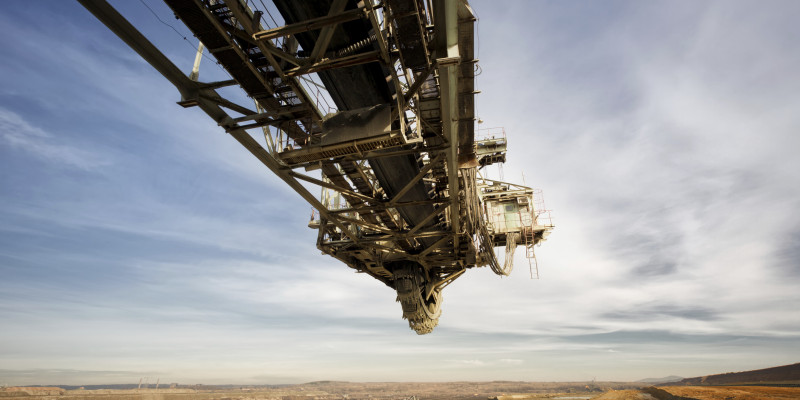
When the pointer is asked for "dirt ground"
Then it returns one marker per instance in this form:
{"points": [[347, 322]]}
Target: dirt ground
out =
{"points": [[452, 391], [703, 393], [734, 392], [625, 395]]}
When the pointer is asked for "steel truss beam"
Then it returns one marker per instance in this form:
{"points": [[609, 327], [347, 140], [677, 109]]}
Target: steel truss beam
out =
{"points": [[383, 206], [422, 172], [191, 89], [375, 228], [311, 24], [243, 34], [331, 186], [244, 16]]}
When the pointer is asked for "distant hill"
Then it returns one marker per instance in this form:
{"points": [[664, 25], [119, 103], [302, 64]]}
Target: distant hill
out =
{"points": [[786, 374], [666, 379]]}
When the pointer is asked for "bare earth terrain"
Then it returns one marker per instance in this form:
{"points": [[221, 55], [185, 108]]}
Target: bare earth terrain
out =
{"points": [[704, 393], [329, 390], [734, 392], [417, 391], [336, 391]]}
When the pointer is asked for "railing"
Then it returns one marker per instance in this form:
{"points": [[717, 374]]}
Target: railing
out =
{"points": [[543, 216], [320, 95], [316, 91], [491, 133]]}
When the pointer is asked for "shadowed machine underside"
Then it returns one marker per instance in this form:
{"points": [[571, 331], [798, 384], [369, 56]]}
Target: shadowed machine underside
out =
{"points": [[372, 103]]}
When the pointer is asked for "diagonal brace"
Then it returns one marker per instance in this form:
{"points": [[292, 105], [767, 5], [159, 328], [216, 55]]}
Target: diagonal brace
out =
{"points": [[416, 179], [433, 246], [308, 25], [346, 192], [427, 219], [326, 34]]}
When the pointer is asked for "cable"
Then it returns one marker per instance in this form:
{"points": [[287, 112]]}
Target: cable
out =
{"points": [[269, 13], [185, 39], [160, 20]]}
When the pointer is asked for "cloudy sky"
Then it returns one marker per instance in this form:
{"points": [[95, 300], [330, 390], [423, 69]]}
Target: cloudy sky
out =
{"points": [[138, 240]]}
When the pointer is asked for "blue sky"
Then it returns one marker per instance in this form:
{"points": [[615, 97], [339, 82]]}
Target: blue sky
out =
{"points": [[137, 239]]}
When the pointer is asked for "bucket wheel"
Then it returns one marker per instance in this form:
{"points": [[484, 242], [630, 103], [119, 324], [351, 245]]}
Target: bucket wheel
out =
{"points": [[422, 313]]}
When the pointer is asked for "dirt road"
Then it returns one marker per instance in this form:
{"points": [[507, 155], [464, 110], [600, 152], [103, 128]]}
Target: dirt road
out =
{"points": [[704, 393], [734, 392], [625, 395]]}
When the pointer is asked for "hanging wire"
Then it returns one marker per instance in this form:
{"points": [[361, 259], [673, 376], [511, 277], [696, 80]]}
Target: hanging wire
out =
{"points": [[312, 82], [194, 47], [269, 13], [279, 41], [162, 21]]}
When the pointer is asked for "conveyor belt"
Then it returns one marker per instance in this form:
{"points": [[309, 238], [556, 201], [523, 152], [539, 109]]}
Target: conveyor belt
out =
{"points": [[361, 86]]}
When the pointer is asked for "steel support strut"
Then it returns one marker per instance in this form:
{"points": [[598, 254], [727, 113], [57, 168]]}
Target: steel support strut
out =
{"points": [[192, 90], [401, 200]]}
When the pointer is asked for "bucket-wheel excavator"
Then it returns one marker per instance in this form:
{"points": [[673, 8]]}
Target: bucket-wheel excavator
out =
{"points": [[372, 102]]}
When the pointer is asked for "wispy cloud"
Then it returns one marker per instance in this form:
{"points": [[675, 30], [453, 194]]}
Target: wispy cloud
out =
{"points": [[472, 363], [663, 134], [70, 376], [18, 134]]}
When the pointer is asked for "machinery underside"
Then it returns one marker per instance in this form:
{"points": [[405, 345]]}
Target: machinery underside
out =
{"points": [[394, 156]]}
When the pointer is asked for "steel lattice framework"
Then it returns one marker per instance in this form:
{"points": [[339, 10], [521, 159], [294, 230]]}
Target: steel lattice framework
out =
{"points": [[402, 197]]}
